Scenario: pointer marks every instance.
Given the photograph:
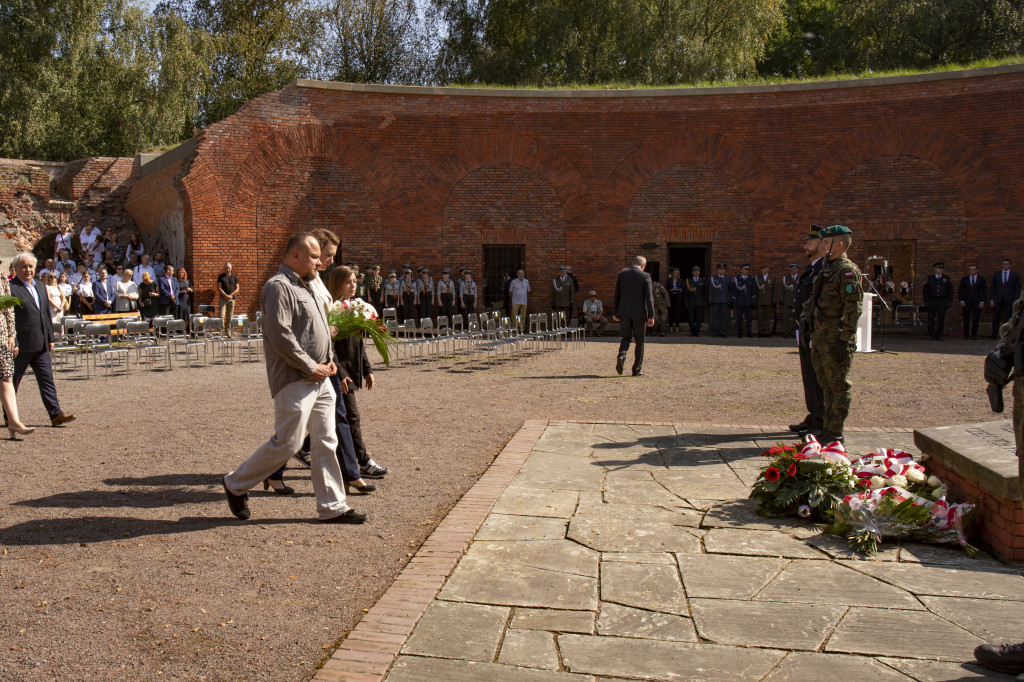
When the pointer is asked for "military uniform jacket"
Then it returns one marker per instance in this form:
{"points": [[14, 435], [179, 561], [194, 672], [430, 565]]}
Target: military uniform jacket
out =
{"points": [[695, 292], [562, 291], [765, 290], [374, 283], [718, 291], [743, 291], [938, 291], [661, 302], [789, 284], [805, 286], [835, 305]]}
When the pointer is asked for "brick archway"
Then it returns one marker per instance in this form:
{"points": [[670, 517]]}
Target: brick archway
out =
{"points": [[978, 185]]}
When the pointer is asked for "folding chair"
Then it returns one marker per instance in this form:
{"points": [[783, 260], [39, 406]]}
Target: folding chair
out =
{"points": [[179, 340], [139, 338]]}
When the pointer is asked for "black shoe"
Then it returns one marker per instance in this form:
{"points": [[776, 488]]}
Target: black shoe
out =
{"points": [[303, 457], [373, 470], [804, 426], [364, 489], [826, 438], [238, 504], [283, 490], [638, 373], [750, 336], [351, 516], [1007, 658], [619, 363]]}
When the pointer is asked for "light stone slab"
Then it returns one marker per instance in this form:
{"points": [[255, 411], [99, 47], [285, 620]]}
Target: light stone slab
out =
{"points": [[566, 480], [987, 618], [454, 630], [901, 633], [638, 558], [420, 669], [655, 587], [615, 433], [552, 555], [654, 660], [529, 649], [571, 447], [536, 502], [623, 621], [818, 582], [642, 514], [626, 535], [678, 459], [646, 492], [757, 543], [488, 582], [507, 527], [762, 624], [950, 555], [743, 514], [720, 576], [947, 581], [939, 671], [804, 666], [838, 548], [554, 620]]}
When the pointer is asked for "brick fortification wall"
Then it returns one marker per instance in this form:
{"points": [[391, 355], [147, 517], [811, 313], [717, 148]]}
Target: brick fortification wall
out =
{"points": [[928, 163]]}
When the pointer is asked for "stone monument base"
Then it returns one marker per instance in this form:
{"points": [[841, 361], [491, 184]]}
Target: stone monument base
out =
{"points": [[980, 461]]}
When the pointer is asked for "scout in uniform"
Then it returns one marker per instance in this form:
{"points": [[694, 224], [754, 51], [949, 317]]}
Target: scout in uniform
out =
{"points": [[789, 314], [696, 295], [391, 295], [362, 290], [467, 293], [563, 294], [375, 287], [444, 294], [662, 304], [407, 295], [813, 396], [938, 295], [718, 297], [743, 294], [765, 303], [424, 290], [832, 312]]}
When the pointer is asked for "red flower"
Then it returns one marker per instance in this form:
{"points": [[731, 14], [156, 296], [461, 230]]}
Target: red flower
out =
{"points": [[792, 470], [799, 455], [864, 482], [775, 450], [772, 474]]}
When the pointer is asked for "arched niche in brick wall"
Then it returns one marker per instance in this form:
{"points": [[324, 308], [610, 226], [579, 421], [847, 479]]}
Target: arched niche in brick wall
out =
{"points": [[695, 157], [965, 165], [1016, 200]]}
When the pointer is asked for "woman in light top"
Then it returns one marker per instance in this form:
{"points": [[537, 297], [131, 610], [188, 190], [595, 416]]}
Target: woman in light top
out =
{"points": [[55, 296], [127, 292]]}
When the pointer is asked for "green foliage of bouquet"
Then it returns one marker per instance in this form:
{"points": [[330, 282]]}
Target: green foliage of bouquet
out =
{"points": [[792, 483], [9, 302], [895, 517], [359, 317]]}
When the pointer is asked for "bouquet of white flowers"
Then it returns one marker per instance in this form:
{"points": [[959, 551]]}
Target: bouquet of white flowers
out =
{"points": [[356, 316]]}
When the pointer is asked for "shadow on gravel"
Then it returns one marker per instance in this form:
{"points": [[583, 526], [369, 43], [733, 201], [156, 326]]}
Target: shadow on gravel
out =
{"points": [[148, 499], [169, 479], [569, 376], [105, 528]]}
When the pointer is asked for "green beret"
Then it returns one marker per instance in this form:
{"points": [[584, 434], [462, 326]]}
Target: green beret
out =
{"points": [[835, 231]]}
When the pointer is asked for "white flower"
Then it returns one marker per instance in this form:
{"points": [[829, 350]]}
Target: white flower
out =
{"points": [[915, 475], [877, 482], [898, 481], [938, 493], [828, 472], [934, 482]]}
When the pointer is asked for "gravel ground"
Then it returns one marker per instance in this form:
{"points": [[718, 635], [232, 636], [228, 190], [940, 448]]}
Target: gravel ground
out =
{"points": [[119, 556]]}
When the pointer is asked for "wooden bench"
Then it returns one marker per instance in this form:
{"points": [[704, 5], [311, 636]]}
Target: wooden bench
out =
{"points": [[112, 318]]}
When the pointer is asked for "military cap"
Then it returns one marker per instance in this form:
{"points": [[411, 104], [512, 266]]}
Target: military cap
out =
{"points": [[793, 266], [420, 269], [561, 268], [446, 271], [424, 271], [695, 268], [392, 274], [835, 231], [407, 271], [720, 266], [375, 267], [467, 272], [815, 232], [745, 266], [940, 264]]}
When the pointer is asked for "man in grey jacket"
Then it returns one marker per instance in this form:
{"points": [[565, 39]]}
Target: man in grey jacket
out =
{"points": [[300, 358]]}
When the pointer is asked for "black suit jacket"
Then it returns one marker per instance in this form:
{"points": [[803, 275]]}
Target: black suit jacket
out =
{"points": [[634, 296], [32, 323], [1005, 293], [973, 295]]}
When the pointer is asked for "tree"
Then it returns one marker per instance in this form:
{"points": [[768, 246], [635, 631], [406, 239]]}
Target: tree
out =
{"points": [[376, 41]]}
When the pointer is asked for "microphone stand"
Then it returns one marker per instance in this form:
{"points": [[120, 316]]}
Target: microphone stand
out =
{"points": [[881, 323]]}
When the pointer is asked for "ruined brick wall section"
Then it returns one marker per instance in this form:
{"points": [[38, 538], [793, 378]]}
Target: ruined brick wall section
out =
{"points": [[430, 176]]}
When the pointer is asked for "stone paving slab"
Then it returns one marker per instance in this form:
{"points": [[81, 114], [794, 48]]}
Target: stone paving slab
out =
{"points": [[625, 552]]}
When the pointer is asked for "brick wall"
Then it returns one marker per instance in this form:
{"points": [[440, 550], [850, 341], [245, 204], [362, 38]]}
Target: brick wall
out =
{"points": [[428, 176]]}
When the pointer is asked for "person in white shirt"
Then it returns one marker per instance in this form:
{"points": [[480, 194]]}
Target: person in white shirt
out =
{"points": [[89, 236], [519, 288], [86, 295], [67, 290], [127, 292], [142, 267], [63, 240], [51, 268]]}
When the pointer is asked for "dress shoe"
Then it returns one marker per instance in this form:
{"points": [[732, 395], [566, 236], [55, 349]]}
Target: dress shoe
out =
{"points": [[364, 489], [22, 430], [238, 504], [1007, 658], [351, 516], [827, 437], [280, 488], [619, 363], [303, 457], [372, 470], [62, 418], [804, 426], [638, 373]]}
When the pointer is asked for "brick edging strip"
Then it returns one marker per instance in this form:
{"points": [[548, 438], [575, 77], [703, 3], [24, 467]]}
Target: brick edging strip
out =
{"points": [[367, 653]]}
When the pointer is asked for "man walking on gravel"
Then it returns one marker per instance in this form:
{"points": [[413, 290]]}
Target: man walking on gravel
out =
{"points": [[300, 358], [634, 311]]}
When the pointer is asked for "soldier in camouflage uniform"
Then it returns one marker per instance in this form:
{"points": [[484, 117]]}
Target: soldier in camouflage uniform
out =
{"points": [[830, 316]]}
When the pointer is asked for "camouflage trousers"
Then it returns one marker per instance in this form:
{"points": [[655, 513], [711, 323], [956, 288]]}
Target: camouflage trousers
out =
{"points": [[1018, 422], [834, 376]]}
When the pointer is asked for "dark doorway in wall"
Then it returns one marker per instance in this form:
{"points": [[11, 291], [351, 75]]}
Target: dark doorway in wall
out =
{"points": [[500, 264], [653, 269], [684, 257]]}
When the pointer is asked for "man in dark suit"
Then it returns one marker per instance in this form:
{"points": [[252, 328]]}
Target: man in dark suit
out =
{"points": [[938, 295], [1005, 290], [634, 311], [35, 335], [814, 395], [972, 295], [168, 286]]}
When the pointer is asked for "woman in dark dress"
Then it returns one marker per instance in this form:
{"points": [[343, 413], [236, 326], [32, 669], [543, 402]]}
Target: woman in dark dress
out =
{"points": [[148, 293]]}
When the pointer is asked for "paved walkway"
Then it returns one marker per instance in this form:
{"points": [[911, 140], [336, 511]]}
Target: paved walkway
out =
{"points": [[613, 551]]}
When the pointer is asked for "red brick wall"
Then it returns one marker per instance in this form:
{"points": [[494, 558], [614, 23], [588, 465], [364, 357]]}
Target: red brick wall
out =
{"points": [[427, 176]]}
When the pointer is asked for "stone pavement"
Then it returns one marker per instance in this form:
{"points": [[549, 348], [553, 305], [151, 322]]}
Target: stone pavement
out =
{"points": [[614, 551]]}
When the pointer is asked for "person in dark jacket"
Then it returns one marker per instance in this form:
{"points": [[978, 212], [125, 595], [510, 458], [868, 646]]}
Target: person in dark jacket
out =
{"points": [[743, 294], [634, 311], [972, 295], [695, 293], [938, 296], [676, 300], [1005, 288]]}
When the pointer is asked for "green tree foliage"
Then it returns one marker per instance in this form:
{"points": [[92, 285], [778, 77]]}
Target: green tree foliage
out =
{"points": [[375, 41]]}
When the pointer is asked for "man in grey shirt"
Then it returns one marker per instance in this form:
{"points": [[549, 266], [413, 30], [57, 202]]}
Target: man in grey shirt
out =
{"points": [[300, 358]]}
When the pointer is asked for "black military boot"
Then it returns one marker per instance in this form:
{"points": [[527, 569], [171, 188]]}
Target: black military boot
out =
{"points": [[1006, 658]]}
